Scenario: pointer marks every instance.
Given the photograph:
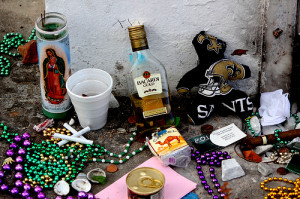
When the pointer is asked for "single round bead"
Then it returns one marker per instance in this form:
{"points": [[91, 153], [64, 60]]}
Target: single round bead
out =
{"points": [[216, 197], [204, 162], [38, 189], [82, 194], [200, 172], [19, 159], [19, 183], [199, 161], [2, 174], [197, 152], [26, 136], [10, 152], [217, 185], [58, 197], [21, 151], [228, 157], [206, 187], [211, 163], [26, 143], [13, 145], [210, 191], [193, 155], [14, 191], [212, 175], [204, 182], [212, 170], [219, 153], [222, 195], [218, 164], [90, 196], [202, 156], [19, 175], [25, 194], [4, 187], [17, 138], [6, 167], [26, 187], [214, 180], [18, 167], [198, 168], [202, 177]]}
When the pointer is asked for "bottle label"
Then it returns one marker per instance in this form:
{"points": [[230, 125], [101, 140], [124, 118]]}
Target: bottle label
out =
{"points": [[148, 84], [54, 62]]}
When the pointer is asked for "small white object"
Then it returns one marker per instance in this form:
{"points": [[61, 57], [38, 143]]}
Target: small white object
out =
{"points": [[62, 188], [80, 184], [231, 169], [121, 161], [131, 139], [125, 151], [75, 133], [120, 156], [72, 121], [274, 107], [71, 138], [103, 160], [94, 159], [112, 161], [96, 149], [140, 149], [71, 156], [263, 149], [97, 85], [127, 144], [95, 172], [111, 154], [127, 157], [133, 153]]}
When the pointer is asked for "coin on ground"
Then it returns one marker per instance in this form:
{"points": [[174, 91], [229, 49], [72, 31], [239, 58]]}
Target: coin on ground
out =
{"points": [[112, 168], [282, 171]]}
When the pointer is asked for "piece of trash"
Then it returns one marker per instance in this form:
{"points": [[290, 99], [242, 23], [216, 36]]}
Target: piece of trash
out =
{"points": [[132, 119], [100, 179], [239, 52], [277, 32], [29, 52], [207, 129], [47, 123]]}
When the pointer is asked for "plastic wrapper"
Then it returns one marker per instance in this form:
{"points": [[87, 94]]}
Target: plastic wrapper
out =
{"points": [[170, 147]]}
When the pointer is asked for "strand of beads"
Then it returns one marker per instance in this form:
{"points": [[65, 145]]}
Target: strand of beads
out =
{"points": [[211, 159], [22, 186], [128, 156], [282, 192], [10, 41], [248, 125], [93, 150]]}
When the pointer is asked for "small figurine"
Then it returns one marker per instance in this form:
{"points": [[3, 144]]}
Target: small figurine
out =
{"points": [[211, 76]]}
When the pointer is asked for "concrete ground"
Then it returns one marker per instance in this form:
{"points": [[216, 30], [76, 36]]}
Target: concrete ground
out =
{"points": [[20, 110]]}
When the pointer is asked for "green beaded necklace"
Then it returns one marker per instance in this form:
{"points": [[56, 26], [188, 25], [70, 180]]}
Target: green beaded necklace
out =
{"points": [[280, 143], [46, 163], [11, 41]]}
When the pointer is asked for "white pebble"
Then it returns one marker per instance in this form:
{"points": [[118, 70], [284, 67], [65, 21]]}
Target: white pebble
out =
{"points": [[71, 122]]}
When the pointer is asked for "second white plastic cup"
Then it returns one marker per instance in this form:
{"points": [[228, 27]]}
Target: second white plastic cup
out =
{"points": [[90, 90]]}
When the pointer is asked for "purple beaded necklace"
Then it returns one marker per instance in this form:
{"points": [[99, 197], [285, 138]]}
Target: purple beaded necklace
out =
{"points": [[16, 156], [211, 159]]}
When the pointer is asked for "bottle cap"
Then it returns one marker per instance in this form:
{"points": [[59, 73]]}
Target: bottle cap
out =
{"points": [[138, 38]]}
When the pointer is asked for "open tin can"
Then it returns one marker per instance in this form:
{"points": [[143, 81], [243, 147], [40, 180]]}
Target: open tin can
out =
{"points": [[145, 183]]}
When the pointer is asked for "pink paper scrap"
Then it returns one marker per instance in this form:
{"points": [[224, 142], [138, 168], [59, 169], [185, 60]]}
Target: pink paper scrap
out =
{"points": [[176, 186]]}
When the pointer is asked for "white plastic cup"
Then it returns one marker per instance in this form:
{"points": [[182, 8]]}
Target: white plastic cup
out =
{"points": [[90, 90]]}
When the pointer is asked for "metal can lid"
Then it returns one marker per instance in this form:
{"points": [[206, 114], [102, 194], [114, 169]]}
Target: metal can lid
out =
{"points": [[145, 181]]}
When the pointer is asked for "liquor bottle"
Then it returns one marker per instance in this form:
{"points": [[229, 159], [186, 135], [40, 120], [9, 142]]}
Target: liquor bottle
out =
{"points": [[54, 64], [148, 86]]}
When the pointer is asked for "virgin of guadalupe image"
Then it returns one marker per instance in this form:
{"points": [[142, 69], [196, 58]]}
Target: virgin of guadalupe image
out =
{"points": [[54, 70]]}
